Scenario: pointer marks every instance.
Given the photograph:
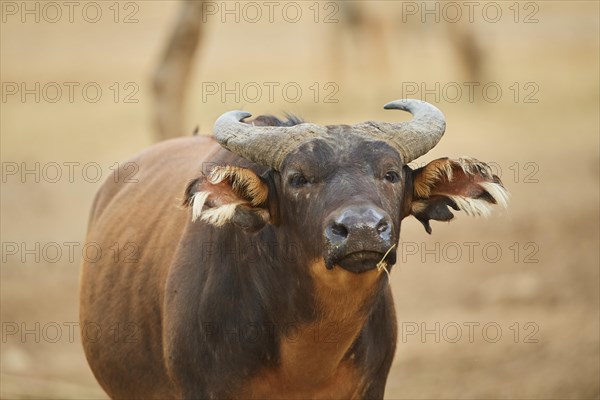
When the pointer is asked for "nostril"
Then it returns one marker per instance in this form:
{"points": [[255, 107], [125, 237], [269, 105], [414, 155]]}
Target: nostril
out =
{"points": [[339, 230], [382, 227]]}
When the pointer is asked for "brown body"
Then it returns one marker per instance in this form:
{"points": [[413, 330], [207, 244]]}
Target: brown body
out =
{"points": [[125, 299], [274, 284], [125, 305]]}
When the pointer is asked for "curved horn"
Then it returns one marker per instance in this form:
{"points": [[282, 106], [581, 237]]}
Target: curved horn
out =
{"points": [[264, 145], [269, 145], [413, 138]]}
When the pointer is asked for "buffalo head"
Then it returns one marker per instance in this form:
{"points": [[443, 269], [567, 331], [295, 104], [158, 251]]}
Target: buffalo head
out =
{"points": [[339, 191]]}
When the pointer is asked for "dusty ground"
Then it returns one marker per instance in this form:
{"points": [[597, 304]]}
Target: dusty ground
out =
{"points": [[516, 318]]}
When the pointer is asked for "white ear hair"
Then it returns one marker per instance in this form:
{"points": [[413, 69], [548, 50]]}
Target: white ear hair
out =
{"points": [[497, 192], [480, 207], [472, 207], [198, 201], [221, 215]]}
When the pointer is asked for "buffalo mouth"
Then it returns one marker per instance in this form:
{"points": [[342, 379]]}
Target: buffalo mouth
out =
{"points": [[363, 261]]}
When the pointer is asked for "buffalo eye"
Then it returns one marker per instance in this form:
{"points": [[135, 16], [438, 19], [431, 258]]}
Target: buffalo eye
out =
{"points": [[392, 176], [298, 180]]}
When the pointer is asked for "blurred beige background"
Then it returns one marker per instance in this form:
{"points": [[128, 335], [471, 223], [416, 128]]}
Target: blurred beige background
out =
{"points": [[529, 273]]}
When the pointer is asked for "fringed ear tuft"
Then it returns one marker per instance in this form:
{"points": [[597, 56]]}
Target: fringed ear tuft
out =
{"points": [[472, 166], [244, 182], [221, 215], [197, 204], [497, 192], [434, 172], [229, 194], [472, 207], [465, 184]]}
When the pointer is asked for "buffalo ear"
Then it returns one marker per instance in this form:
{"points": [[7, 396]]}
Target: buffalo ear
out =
{"points": [[229, 194], [464, 184]]}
